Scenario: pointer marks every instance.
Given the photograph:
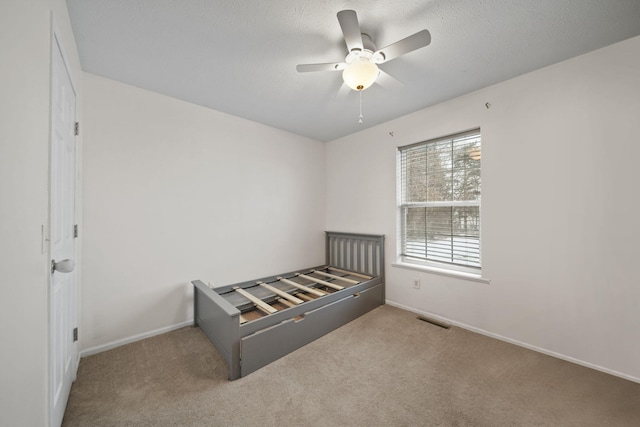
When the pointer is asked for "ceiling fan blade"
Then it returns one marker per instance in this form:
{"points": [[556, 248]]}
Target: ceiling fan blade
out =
{"points": [[343, 91], [333, 66], [388, 82], [406, 45], [351, 29]]}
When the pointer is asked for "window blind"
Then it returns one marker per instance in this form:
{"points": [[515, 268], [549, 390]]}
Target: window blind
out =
{"points": [[440, 200]]}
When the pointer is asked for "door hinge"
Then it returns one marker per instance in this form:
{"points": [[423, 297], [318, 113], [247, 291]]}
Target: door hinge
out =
{"points": [[75, 334], [75, 230], [76, 129]]}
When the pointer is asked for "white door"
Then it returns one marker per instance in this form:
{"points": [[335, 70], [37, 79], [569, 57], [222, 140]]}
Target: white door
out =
{"points": [[63, 351]]}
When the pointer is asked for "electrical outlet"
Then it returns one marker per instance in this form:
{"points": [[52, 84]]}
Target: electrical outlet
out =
{"points": [[416, 283]]}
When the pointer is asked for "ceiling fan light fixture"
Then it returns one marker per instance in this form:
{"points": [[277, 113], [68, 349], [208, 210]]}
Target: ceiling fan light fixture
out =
{"points": [[360, 74]]}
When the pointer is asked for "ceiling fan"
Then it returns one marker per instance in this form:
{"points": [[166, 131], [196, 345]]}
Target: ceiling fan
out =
{"points": [[360, 66]]}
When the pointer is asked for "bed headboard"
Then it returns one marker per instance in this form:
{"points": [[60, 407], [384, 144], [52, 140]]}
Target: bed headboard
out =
{"points": [[360, 253]]}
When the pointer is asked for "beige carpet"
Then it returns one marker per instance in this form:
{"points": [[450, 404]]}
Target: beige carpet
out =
{"points": [[383, 369]]}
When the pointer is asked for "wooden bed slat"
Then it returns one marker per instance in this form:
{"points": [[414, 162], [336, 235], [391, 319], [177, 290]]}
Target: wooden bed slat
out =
{"points": [[322, 282], [286, 302], [304, 288], [351, 273], [257, 301], [281, 293], [333, 276], [306, 297]]}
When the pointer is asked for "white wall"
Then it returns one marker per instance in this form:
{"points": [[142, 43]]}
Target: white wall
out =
{"points": [[559, 208], [176, 192], [25, 45]]}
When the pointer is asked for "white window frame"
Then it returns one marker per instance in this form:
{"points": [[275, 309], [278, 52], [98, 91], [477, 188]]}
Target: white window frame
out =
{"points": [[446, 268]]}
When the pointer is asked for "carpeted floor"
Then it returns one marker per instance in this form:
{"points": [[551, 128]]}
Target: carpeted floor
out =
{"points": [[384, 369]]}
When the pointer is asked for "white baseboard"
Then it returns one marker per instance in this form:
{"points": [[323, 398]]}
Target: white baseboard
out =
{"points": [[516, 342], [118, 343]]}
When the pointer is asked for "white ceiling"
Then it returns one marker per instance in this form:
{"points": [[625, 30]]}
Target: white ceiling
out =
{"points": [[240, 56]]}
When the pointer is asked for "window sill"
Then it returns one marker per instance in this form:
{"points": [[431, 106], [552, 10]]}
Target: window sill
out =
{"points": [[449, 273]]}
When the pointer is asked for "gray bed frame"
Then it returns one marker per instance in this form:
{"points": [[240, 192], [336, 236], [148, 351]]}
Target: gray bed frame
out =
{"points": [[251, 345]]}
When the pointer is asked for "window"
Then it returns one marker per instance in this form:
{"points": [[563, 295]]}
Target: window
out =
{"points": [[439, 204]]}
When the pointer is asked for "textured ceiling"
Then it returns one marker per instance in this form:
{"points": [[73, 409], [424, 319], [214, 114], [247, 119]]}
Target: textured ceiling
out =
{"points": [[240, 57]]}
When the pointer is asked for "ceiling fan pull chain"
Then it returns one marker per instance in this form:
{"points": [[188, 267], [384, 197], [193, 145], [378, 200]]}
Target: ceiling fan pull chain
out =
{"points": [[360, 120]]}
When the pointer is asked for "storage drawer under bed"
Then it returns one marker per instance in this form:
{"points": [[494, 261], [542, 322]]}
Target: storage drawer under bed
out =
{"points": [[267, 345]]}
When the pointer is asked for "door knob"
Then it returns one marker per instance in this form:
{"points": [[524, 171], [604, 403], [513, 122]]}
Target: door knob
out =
{"points": [[64, 266]]}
